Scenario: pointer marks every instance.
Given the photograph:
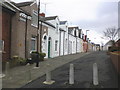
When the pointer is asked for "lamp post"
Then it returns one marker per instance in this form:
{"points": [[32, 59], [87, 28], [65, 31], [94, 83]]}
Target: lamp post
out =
{"points": [[38, 27]]}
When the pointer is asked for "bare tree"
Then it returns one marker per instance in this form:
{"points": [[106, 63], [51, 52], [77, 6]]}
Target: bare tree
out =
{"points": [[111, 33]]}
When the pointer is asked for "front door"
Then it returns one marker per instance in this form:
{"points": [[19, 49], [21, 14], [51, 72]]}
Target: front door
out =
{"points": [[49, 49]]}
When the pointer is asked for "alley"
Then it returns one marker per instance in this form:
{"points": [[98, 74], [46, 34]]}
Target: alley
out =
{"points": [[83, 73]]}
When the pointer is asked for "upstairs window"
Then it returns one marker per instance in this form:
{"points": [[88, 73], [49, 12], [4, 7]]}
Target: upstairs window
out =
{"points": [[34, 19]]}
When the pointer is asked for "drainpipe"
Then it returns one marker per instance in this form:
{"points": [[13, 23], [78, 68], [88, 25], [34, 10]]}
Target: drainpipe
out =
{"points": [[63, 41], [60, 43], [10, 36], [68, 43], [26, 37], [41, 37]]}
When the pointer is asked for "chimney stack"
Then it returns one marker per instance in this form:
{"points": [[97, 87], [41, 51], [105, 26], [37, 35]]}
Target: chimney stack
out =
{"points": [[42, 14]]}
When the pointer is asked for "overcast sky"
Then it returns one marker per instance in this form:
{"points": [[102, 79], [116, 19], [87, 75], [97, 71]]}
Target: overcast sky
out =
{"points": [[93, 15]]}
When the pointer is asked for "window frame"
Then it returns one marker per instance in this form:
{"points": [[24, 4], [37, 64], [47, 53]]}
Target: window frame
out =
{"points": [[56, 45], [33, 39]]}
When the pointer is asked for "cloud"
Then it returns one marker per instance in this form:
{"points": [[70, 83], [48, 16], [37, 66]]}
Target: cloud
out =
{"points": [[95, 15], [106, 16]]}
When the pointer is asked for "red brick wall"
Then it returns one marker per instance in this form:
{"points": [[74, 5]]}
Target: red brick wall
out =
{"points": [[115, 61], [6, 19], [85, 46], [0, 25]]}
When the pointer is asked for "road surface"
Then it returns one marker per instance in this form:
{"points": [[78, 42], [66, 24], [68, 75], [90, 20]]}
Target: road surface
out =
{"points": [[83, 73]]}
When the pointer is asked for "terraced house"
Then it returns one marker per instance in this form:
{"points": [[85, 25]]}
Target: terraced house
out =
{"points": [[23, 31]]}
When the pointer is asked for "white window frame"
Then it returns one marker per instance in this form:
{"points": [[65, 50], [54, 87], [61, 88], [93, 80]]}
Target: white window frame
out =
{"points": [[35, 13], [33, 38], [56, 45], [2, 45]]}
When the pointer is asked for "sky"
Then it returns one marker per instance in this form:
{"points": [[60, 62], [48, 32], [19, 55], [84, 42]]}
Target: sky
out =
{"points": [[92, 15]]}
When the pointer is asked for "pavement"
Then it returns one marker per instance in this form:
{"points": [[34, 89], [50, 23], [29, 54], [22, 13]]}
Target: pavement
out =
{"points": [[19, 76], [83, 73]]}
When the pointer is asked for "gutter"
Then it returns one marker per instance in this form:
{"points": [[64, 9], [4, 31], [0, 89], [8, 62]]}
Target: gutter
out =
{"points": [[13, 5]]}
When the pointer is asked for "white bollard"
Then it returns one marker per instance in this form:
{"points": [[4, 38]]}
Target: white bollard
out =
{"points": [[95, 74], [48, 76], [71, 74]]}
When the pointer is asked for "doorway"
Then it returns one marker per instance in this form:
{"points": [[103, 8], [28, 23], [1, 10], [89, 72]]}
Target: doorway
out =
{"points": [[49, 47]]}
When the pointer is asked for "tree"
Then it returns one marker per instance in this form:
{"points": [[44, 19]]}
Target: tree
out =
{"points": [[111, 33]]}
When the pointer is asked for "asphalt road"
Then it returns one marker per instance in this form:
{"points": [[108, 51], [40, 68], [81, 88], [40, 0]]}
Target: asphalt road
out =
{"points": [[83, 73]]}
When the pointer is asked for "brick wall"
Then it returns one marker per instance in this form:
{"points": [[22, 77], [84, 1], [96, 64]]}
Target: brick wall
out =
{"points": [[6, 35]]}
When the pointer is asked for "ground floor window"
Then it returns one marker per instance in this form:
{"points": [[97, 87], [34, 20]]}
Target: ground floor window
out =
{"points": [[66, 44], [56, 45], [33, 43], [1, 45]]}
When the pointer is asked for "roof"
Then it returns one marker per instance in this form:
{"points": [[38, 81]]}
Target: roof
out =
{"points": [[62, 29], [10, 5], [110, 42], [6, 5], [43, 20], [97, 44], [51, 18], [73, 27], [62, 22], [22, 4]]}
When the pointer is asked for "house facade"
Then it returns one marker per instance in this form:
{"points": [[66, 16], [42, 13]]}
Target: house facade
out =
{"points": [[85, 43], [74, 39], [108, 44], [63, 39], [6, 15], [53, 36], [22, 35]]}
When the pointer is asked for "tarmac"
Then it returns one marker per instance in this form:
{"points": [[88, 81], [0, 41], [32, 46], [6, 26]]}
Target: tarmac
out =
{"points": [[21, 75], [94, 70]]}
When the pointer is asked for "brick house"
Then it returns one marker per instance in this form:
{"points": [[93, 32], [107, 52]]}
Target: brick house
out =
{"points": [[85, 44], [6, 15], [21, 37], [26, 30]]}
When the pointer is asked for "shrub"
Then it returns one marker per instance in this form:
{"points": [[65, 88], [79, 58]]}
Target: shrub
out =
{"points": [[22, 61], [42, 55], [16, 61], [35, 56]]}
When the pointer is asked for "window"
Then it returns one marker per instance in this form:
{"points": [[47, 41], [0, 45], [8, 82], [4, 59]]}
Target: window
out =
{"points": [[57, 28], [56, 44], [75, 33], [1, 45], [34, 19], [66, 44], [33, 43]]}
